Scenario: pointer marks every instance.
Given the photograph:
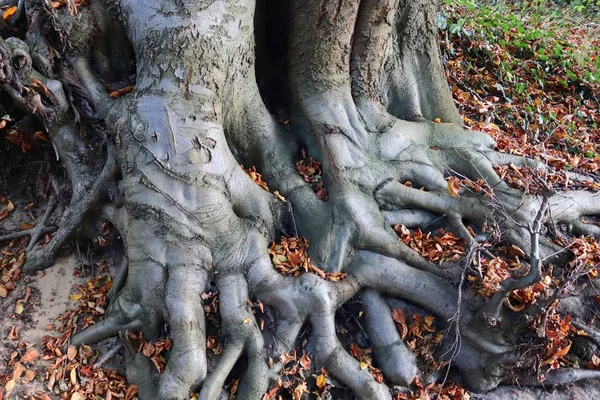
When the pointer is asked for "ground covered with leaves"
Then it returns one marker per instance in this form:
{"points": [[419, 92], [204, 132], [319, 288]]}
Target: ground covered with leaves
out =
{"points": [[526, 73]]}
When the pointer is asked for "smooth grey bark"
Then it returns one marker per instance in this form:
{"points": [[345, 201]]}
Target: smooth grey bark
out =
{"points": [[366, 82]]}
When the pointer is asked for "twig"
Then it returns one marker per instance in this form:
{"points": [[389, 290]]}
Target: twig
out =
{"points": [[38, 230], [16, 235], [109, 354], [291, 211], [456, 346]]}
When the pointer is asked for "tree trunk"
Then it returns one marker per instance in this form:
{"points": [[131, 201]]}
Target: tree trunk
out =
{"points": [[363, 83]]}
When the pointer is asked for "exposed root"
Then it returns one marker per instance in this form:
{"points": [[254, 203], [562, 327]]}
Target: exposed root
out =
{"points": [[27, 232], [189, 214], [395, 360], [332, 356], [581, 228], [41, 257], [47, 99], [410, 218], [561, 377], [118, 281]]}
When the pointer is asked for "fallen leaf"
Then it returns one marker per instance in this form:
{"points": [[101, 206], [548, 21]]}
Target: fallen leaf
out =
{"points": [[13, 334], [9, 12], [26, 226], [321, 381], [10, 385], [77, 396], [18, 371], [51, 380], [19, 307], [234, 386], [74, 376], [453, 186], [71, 353], [29, 375], [121, 92], [560, 353], [40, 136], [30, 355]]}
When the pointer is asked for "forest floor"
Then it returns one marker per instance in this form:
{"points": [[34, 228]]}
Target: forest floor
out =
{"points": [[526, 73]]}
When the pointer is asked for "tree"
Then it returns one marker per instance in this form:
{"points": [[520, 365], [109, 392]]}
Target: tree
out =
{"points": [[365, 91]]}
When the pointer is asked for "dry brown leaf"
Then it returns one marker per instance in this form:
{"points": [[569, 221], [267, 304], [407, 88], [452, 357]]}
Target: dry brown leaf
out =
{"points": [[71, 353], [77, 396], [19, 307], [400, 319], [299, 391], [10, 385], [305, 361], [287, 357], [26, 226], [29, 375], [51, 380], [30, 355], [234, 386], [121, 92], [13, 334], [453, 186], [73, 376], [18, 371], [40, 136], [560, 353]]}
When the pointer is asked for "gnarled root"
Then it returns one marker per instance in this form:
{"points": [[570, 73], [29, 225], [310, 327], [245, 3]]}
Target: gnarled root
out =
{"points": [[51, 100], [190, 215]]}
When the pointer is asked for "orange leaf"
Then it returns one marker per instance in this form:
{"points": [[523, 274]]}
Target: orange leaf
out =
{"points": [[9, 12], [234, 387], [40, 136], [121, 92], [321, 381], [13, 335], [453, 186], [560, 353], [26, 226]]}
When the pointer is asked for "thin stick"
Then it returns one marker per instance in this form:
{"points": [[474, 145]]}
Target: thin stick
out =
{"points": [[38, 230], [109, 354], [16, 235]]}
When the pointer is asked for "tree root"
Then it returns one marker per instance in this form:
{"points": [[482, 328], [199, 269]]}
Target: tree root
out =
{"points": [[27, 232], [397, 363], [561, 377], [44, 97], [38, 257], [190, 214]]}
